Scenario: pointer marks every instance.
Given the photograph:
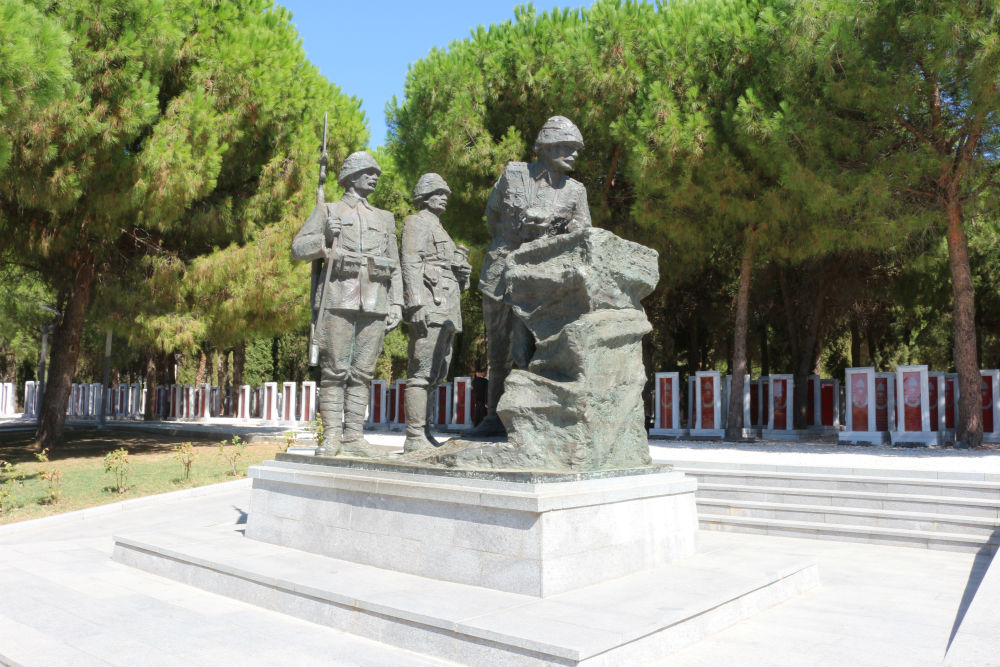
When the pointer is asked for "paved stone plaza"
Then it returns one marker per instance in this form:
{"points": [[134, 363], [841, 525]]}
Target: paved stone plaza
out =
{"points": [[66, 603]]}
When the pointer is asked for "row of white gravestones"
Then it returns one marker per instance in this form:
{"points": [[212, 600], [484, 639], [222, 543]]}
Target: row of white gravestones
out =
{"points": [[8, 404], [914, 405], [451, 409], [123, 401], [289, 404], [767, 405]]}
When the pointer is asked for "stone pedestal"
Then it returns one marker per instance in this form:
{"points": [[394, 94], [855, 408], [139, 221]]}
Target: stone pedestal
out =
{"points": [[530, 533]]}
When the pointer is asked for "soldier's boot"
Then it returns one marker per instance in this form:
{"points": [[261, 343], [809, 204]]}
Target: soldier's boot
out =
{"points": [[331, 408], [355, 406], [431, 401], [491, 426], [415, 407]]}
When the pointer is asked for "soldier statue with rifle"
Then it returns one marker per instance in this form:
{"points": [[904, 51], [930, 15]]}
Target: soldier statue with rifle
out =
{"points": [[357, 296]]}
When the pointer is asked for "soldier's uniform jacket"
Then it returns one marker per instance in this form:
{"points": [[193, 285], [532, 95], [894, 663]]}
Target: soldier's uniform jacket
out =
{"points": [[365, 274], [429, 264], [519, 188]]}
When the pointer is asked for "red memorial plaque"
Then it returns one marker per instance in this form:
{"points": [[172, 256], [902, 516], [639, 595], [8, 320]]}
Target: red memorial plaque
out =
{"points": [[949, 402], [376, 405], [392, 403], [826, 403], [859, 402], [780, 404], [707, 402], [401, 402], [986, 393], [932, 401], [755, 404], [307, 404], [911, 401], [666, 403], [881, 404], [442, 411], [811, 404], [460, 403]]}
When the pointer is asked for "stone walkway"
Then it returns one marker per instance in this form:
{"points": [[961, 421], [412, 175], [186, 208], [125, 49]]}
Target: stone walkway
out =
{"points": [[64, 602]]}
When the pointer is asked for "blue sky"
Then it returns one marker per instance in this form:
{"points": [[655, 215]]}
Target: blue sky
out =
{"points": [[367, 47]]}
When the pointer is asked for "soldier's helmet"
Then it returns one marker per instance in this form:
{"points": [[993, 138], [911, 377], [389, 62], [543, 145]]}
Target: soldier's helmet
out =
{"points": [[427, 185], [354, 163], [559, 130]]}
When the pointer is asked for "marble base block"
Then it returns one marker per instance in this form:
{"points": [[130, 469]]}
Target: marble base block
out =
{"points": [[536, 538]]}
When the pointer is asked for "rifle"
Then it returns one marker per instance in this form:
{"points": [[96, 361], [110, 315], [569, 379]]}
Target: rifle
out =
{"points": [[317, 317]]}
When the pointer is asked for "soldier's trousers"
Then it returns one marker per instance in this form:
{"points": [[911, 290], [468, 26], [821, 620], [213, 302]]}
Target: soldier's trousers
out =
{"points": [[349, 345], [430, 356], [508, 343]]}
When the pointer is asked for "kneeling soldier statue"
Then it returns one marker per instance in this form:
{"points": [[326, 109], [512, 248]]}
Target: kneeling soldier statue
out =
{"points": [[435, 272], [357, 296]]}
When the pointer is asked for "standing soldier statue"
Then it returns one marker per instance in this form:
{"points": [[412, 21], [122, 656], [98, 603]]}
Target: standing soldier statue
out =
{"points": [[528, 201], [357, 296], [435, 273]]}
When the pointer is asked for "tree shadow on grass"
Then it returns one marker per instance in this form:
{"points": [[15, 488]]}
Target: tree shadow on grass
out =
{"points": [[86, 442]]}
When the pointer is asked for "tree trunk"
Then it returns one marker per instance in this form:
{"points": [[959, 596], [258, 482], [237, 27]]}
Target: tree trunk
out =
{"points": [[239, 359], [969, 428], [66, 352], [765, 359], [199, 377], [150, 381], [694, 347], [856, 360], [734, 423]]}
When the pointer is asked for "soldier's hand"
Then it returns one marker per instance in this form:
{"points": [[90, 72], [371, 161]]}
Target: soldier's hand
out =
{"points": [[332, 229], [416, 321], [394, 317]]}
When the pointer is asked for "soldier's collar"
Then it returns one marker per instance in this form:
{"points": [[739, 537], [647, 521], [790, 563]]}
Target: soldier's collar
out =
{"points": [[353, 200], [541, 171]]}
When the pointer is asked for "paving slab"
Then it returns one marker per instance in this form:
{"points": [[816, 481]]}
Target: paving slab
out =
{"points": [[878, 605]]}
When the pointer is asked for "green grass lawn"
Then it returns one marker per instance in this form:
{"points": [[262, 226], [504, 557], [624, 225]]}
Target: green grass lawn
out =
{"points": [[153, 468]]}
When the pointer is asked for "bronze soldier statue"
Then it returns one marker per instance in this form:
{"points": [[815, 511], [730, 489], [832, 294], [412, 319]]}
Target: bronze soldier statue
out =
{"points": [[435, 273], [357, 297], [527, 202]]}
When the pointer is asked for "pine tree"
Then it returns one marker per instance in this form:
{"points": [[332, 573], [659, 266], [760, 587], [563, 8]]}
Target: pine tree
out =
{"points": [[191, 127]]}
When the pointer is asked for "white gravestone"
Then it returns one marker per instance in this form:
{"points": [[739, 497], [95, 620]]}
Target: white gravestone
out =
{"points": [[781, 404], [666, 405], [708, 405], [913, 418], [270, 408], [861, 416], [461, 409], [399, 406], [441, 408], [288, 402], [989, 395], [308, 401], [243, 405]]}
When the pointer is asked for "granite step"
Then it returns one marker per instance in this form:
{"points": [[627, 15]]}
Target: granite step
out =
{"points": [[951, 511], [831, 515], [634, 619], [849, 533], [901, 502], [985, 490]]}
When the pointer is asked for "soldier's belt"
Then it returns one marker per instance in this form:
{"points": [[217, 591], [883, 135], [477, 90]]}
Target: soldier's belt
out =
{"points": [[349, 264]]}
